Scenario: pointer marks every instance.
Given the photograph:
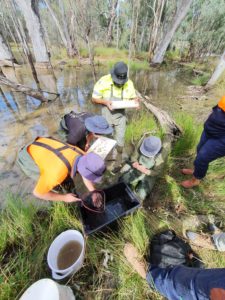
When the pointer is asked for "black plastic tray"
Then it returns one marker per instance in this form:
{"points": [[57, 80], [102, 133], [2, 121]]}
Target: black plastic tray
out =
{"points": [[120, 201]]}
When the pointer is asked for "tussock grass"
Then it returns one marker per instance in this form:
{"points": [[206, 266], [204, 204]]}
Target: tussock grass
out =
{"points": [[201, 80], [186, 144], [141, 123]]}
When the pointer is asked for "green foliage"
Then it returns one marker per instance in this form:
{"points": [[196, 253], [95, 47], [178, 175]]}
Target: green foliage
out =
{"points": [[173, 55], [201, 80], [141, 123], [191, 132]]}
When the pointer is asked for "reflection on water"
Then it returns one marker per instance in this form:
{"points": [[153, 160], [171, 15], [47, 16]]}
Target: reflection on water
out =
{"points": [[22, 118]]}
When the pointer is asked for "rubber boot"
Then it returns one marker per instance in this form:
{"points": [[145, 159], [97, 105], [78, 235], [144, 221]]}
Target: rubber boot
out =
{"points": [[188, 184]]}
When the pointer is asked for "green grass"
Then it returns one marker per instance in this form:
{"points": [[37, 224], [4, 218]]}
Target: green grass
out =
{"points": [[27, 231], [201, 79], [142, 122], [186, 144]]}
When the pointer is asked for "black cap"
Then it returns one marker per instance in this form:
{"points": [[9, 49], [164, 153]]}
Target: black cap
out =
{"points": [[119, 73]]}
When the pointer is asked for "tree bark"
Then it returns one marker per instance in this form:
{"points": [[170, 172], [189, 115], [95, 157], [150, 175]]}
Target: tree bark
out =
{"points": [[71, 48], [111, 22], [218, 71], [157, 9], [5, 53], [29, 11], [168, 35]]}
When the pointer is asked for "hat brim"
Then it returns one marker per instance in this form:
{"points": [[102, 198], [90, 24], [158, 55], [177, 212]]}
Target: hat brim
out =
{"points": [[149, 153], [92, 128], [84, 172], [117, 80]]}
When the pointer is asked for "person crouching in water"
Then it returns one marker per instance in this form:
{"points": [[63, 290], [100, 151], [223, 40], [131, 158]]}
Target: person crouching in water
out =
{"points": [[210, 147]]}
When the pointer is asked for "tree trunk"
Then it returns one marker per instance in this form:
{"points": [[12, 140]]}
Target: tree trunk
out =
{"points": [[111, 22], [71, 48], [157, 9], [218, 71], [29, 11], [131, 43], [168, 35], [5, 53]]}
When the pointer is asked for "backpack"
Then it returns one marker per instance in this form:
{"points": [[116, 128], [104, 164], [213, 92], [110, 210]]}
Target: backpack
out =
{"points": [[27, 164], [167, 250]]}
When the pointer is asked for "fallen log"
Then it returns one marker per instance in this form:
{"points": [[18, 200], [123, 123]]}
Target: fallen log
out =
{"points": [[25, 89], [168, 125]]}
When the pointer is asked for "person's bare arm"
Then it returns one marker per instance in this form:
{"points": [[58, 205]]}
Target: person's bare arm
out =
{"points": [[51, 196], [141, 168], [89, 185], [107, 103]]}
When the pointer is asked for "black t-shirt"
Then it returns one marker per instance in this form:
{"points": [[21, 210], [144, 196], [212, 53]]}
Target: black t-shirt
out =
{"points": [[76, 127], [215, 124]]}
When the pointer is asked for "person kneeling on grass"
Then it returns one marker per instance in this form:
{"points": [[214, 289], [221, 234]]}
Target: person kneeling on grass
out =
{"points": [[176, 282], [51, 163], [210, 147], [146, 166]]}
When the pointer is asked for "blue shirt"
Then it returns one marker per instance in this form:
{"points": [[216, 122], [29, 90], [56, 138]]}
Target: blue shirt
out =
{"points": [[215, 124]]}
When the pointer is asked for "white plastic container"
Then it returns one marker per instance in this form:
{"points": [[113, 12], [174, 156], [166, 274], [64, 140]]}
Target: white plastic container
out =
{"points": [[47, 289], [57, 245], [124, 104]]}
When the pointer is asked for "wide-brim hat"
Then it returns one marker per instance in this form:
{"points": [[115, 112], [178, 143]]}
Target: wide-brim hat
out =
{"points": [[91, 166], [151, 146], [119, 73], [98, 124]]}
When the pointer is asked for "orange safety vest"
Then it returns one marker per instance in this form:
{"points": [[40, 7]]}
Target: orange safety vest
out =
{"points": [[221, 103], [55, 160]]}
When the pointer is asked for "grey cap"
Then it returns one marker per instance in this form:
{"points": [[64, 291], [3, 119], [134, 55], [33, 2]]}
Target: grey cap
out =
{"points": [[151, 146], [119, 73]]}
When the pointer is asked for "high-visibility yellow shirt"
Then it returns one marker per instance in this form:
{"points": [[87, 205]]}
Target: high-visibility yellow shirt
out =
{"points": [[53, 170], [104, 87]]}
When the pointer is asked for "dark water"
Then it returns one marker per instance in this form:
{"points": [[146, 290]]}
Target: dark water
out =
{"points": [[23, 118]]}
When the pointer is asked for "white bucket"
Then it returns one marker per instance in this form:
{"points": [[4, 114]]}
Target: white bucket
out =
{"points": [[57, 245], [47, 289]]}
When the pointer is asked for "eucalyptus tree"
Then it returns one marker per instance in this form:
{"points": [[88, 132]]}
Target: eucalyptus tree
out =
{"points": [[218, 71], [181, 11], [29, 9], [111, 22], [61, 19]]}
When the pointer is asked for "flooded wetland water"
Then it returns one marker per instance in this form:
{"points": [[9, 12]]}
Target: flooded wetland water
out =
{"points": [[23, 118]]}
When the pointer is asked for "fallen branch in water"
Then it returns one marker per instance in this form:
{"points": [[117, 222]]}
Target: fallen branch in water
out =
{"points": [[25, 89]]}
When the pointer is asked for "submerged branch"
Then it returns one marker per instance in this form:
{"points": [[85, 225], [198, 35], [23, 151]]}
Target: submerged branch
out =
{"points": [[25, 89]]}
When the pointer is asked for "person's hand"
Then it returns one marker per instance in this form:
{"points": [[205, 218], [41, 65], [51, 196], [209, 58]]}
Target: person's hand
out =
{"points": [[69, 198], [137, 101], [135, 165], [141, 168], [97, 199], [109, 105], [87, 146]]}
